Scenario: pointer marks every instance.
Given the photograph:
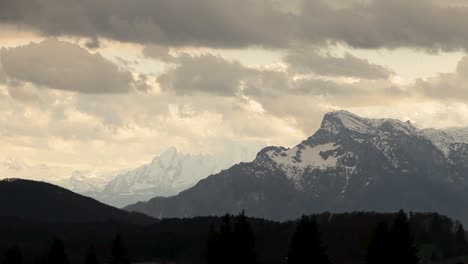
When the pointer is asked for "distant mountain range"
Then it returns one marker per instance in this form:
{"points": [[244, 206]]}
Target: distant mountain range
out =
{"points": [[40, 201], [350, 163], [167, 174]]}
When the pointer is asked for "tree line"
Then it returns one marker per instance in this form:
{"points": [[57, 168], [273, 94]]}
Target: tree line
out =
{"points": [[385, 238], [57, 254], [394, 244]]}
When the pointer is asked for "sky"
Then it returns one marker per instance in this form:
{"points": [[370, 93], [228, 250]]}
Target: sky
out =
{"points": [[108, 84]]}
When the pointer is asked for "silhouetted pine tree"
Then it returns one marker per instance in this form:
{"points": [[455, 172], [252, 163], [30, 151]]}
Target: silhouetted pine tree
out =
{"points": [[119, 254], [13, 256], [212, 246], [402, 248], [225, 241], [231, 245], [460, 240], [91, 256], [244, 241], [57, 253], [306, 244], [378, 251]]}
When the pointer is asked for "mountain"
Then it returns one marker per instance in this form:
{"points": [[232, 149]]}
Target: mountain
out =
{"points": [[85, 182], [167, 174], [39, 201], [350, 163]]}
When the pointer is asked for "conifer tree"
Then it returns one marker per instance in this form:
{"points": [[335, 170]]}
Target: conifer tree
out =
{"points": [[306, 244], [460, 239], [57, 253], [244, 241], [119, 254], [225, 241], [13, 256], [231, 245], [402, 248], [212, 246], [91, 256], [378, 251]]}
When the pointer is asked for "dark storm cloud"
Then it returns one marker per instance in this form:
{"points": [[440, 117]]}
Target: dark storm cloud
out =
{"points": [[64, 66], [426, 24], [176, 22], [309, 60]]}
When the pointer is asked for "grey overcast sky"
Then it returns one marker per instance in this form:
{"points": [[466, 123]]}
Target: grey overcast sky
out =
{"points": [[108, 84]]}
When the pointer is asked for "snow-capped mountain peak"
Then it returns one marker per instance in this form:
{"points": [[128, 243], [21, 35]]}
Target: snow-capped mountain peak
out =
{"points": [[339, 143], [167, 157], [167, 174], [336, 122]]}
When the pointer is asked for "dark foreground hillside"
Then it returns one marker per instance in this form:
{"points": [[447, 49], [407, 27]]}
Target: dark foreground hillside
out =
{"points": [[42, 201], [347, 237]]}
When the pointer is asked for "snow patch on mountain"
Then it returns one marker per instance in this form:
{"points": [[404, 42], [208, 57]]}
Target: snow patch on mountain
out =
{"points": [[306, 156], [296, 161]]}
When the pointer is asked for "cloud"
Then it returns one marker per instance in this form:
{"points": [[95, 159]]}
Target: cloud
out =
{"points": [[423, 24], [24, 94], [93, 43], [3, 77], [446, 86], [212, 74], [64, 66], [157, 52], [310, 61], [205, 73], [176, 22], [269, 23]]}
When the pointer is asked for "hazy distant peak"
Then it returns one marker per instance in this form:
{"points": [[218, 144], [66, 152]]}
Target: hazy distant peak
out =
{"points": [[171, 151]]}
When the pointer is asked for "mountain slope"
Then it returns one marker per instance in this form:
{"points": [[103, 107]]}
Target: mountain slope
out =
{"points": [[41, 201], [350, 163]]}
